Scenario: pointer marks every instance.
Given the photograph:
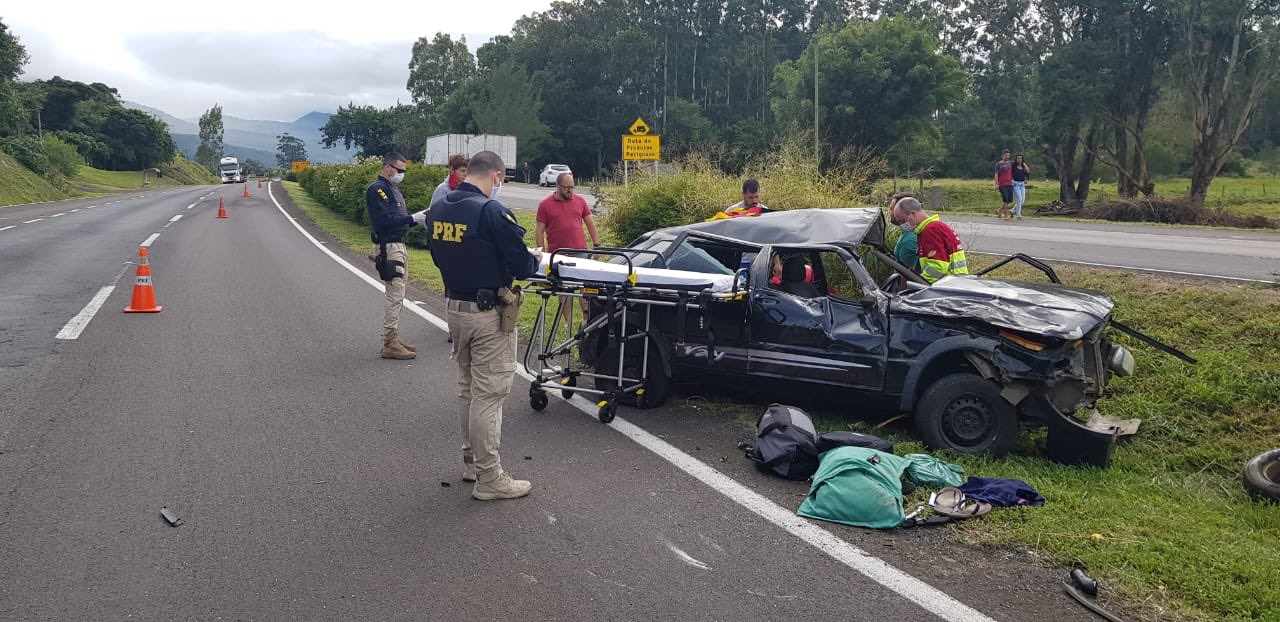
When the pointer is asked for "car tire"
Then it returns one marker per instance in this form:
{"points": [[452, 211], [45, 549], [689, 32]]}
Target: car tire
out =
{"points": [[965, 413], [659, 383], [1262, 476]]}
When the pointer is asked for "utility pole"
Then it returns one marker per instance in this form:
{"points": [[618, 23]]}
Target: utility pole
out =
{"points": [[817, 146]]}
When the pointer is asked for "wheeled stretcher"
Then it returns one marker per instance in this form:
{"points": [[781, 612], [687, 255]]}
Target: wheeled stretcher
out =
{"points": [[622, 299]]}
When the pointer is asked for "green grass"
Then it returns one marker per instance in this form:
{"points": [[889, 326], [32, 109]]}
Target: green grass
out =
{"points": [[19, 185], [90, 179], [1179, 539], [1242, 195]]}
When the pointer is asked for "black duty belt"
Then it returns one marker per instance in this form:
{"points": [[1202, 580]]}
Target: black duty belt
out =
{"points": [[453, 295], [382, 240]]}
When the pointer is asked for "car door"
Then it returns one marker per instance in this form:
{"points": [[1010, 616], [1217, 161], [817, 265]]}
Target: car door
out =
{"points": [[835, 333]]}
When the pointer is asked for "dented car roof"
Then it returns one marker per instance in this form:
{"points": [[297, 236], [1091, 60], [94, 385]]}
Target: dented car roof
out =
{"points": [[840, 226]]}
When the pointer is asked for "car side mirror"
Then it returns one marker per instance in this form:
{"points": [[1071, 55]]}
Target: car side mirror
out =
{"points": [[740, 280], [868, 302]]}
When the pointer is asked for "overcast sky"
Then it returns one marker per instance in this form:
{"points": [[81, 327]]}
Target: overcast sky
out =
{"points": [[269, 60]]}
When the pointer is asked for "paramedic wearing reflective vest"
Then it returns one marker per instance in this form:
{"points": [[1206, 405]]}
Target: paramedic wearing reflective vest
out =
{"points": [[479, 248], [941, 252]]}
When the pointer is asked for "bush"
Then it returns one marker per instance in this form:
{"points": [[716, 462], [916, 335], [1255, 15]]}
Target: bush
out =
{"points": [[341, 188], [29, 151], [64, 160], [1175, 211], [697, 190]]}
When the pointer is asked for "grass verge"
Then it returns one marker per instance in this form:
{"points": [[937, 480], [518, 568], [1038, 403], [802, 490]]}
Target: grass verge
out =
{"points": [[1245, 196], [19, 185], [1177, 538]]}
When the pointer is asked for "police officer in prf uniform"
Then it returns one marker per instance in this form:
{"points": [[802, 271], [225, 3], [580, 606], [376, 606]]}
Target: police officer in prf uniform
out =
{"points": [[390, 223], [479, 248]]}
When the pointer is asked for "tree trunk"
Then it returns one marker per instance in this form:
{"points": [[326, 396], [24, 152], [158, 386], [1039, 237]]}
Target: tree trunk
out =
{"points": [[1124, 183]]}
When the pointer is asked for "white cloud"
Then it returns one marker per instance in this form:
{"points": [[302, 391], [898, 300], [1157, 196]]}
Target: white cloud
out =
{"points": [[259, 60]]}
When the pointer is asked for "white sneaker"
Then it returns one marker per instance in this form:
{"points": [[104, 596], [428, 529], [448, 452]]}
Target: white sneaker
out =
{"points": [[502, 488]]}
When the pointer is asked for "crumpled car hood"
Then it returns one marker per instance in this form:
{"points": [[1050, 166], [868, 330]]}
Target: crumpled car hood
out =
{"points": [[1035, 308]]}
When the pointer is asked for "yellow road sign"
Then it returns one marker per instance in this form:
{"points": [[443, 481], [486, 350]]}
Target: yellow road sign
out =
{"points": [[301, 165], [639, 128], [642, 147]]}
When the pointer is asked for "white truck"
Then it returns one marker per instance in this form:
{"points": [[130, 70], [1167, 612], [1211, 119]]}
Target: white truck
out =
{"points": [[441, 146], [229, 169]]}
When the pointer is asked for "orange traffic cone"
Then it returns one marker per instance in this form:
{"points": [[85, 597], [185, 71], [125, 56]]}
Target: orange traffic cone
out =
{"points": [[222, 208], [246, 189], [144, 295], [259, 183]]}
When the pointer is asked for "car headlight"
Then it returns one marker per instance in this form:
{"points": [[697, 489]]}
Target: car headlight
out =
{"points": [[1120, 360]]}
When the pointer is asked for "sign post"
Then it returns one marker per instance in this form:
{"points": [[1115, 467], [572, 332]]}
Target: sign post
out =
{"points": [[639, 146]]}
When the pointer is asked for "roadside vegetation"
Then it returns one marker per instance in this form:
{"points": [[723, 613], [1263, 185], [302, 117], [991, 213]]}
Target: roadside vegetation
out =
{"points": [[1176, 536]]}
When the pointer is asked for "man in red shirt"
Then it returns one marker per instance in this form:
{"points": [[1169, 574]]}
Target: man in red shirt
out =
{"points": [[1004, 183], [559, 225], [941, 252]]}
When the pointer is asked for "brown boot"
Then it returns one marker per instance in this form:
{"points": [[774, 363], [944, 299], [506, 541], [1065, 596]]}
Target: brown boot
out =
{"points": [[396, 336], [391, 348]]}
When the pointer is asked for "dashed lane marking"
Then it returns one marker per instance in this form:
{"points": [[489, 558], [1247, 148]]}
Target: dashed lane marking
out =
{"points": [[148, 241]]}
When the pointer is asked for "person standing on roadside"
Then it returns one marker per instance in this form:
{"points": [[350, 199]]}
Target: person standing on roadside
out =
{"points": [[479, 248], [1020, 172], [940, 250], [1004, 183], [390, 223], [560, 219], [527, 172], [457, 172]]}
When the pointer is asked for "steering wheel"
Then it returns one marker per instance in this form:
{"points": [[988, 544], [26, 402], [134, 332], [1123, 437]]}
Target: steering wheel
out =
{"points": [[890, 284]]}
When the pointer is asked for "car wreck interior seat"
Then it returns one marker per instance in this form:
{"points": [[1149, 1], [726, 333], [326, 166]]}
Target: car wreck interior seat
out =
{"points": [[793, 278]]}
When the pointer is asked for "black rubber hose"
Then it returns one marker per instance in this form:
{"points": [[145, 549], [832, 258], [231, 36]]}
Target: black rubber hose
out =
{"points": [[1089, 604]]}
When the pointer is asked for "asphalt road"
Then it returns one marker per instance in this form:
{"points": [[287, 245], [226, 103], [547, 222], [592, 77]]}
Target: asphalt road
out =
{"points": [[317, 481], [1227, 254]]}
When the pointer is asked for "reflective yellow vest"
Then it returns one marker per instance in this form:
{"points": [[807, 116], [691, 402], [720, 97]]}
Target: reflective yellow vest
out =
{"points": [[941, 252]]}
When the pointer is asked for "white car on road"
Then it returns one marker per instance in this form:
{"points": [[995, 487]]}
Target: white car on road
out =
{"points": [[550, 172]]}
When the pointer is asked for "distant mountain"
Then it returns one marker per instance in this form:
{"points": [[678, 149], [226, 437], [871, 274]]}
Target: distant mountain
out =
{"points": [[250, 137], [187, 144]]}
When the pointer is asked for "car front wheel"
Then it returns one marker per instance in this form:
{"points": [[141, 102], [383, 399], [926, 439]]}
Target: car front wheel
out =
{"points": [[965, 413]]}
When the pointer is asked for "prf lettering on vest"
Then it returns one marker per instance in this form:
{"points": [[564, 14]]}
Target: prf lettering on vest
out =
{"points": [[447, 231]]}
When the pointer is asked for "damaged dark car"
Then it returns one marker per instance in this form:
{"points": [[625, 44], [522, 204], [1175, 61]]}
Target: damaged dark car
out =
{"points": [[827, 313]]}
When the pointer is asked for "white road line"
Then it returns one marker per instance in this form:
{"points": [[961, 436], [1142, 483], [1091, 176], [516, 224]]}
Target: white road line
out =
{"points": [[58, 214], [148, 241], [75, 210], [91, 207], [926, 596], [191, 206], [176, 218], [7, 228], [1141, 269], [78, 323], [27, 222]]}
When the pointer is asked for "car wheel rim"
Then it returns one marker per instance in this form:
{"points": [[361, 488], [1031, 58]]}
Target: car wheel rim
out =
{"points": [[967, 420]]}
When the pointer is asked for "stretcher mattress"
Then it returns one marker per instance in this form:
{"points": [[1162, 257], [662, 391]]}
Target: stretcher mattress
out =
{"points": [[583, 269]]}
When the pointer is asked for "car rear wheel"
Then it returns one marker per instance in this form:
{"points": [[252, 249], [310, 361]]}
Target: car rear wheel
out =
{"points": [[965, 413], [657, 385]]}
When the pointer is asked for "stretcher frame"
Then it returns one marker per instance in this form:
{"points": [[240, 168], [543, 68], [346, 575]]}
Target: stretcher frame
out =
{"points": [[618, 299]]}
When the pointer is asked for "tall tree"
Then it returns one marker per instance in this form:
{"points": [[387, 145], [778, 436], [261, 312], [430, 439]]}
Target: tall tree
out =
{"points": [[289, 149], [366, 127], [13, 56], [513, 107], [209, 153], [437, 68], [137, 140], [1229, 59], [880, 83]]}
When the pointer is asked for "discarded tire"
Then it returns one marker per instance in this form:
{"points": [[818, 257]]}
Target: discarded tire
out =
{"points": [[1262, 476]]}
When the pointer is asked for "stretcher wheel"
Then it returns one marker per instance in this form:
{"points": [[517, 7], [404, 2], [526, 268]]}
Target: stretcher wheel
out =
{"points": [[570, 381], [607, 412], [538, 400]]}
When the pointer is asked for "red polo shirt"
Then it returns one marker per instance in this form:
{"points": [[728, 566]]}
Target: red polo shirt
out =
{"points": [[563, 221]]}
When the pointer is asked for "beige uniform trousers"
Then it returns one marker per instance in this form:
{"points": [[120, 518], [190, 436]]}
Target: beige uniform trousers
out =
{"points": [[486, 359], [395, 288]]}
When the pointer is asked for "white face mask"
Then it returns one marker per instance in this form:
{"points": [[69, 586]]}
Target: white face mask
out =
{"points": [[906, 227], [497, 187], [397, 178]]}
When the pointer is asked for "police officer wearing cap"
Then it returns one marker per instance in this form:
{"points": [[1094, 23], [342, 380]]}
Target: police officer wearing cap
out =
{"points": [[479, 248]]}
